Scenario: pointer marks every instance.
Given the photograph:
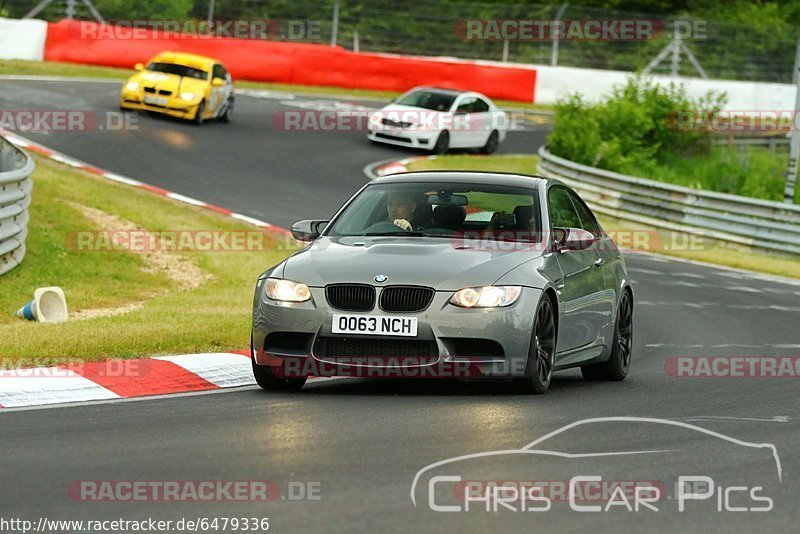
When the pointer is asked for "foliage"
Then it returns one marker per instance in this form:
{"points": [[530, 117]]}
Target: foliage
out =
{"points": [[635, 125]]}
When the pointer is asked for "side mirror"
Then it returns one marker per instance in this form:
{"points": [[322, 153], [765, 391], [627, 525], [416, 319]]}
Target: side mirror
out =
{"points": [[217, 82], [307, 230], [139, 66], [567, 239], [461, 112]]}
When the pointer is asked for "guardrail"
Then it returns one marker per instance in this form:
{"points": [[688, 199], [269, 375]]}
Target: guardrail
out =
{"points": [[763, 224], [16, 168], [772, 142]]}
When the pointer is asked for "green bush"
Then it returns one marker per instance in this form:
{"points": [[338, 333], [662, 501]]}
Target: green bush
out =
{"points": [[634, 126], [634, 131]]}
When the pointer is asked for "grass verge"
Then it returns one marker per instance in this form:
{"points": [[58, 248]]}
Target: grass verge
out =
{"points": [[705, 250], [128, 304], [41, 68]]}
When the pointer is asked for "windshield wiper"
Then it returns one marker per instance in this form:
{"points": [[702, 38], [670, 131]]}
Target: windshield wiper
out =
{"points": [[401, 233]]}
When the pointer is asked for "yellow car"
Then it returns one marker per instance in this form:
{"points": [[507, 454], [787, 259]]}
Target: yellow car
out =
{"points": [[181, 85]]}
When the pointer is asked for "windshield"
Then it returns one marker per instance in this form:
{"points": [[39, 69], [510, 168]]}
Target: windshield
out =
{"points": [[428, 100], [179, 70], [433, 209]]}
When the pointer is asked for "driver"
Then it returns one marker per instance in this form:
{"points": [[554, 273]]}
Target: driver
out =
{"points": [[401, 207]]}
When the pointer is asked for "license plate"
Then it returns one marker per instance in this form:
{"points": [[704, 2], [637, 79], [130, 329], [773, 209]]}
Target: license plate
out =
{"points": [[155, 100], [379, 325]]}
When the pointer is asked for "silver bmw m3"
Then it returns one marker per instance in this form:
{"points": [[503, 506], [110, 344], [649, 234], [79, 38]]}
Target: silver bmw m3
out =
{"points": [[447, 275]]}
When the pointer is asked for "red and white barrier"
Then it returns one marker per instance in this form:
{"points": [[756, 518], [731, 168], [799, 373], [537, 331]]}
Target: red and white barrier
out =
{"points": [[22, 39], [294, 63]]}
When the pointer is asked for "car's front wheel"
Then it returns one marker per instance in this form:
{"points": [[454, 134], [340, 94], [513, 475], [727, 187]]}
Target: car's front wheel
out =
{"points": [[228, 113], [541, 355], [442, 143], [198, 117], [492, 142], [617, 366], [267, 379]]}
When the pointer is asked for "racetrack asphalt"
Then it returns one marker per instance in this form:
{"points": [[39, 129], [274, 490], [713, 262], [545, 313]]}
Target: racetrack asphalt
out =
{"points": [[363, 441]]}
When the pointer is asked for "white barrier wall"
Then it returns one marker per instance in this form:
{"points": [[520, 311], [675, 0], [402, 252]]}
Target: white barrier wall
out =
{"points": [[555, 82], [22, 39]]}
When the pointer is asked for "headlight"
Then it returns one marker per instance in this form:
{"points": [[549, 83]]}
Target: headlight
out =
{"points": [[286, 290], [486, 297], [187, 96], [132, 86]]}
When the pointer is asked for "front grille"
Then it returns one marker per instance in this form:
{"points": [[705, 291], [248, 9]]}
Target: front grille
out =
{"points": [[375, 350], [396, 124], [393, 137], [406, 298], [351, 297], [164, 92], [150, 90]]}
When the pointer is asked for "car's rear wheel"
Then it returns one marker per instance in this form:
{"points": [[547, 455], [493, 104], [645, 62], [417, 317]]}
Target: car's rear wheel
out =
{"points": [[617, 366], [442, 143], [492, 142], [198, 118], [267, 379], [541, 355]]}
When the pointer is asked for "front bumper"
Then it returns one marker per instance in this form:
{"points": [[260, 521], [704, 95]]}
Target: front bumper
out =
{"points": [[460, 343], [174, 107], [403, 137]]}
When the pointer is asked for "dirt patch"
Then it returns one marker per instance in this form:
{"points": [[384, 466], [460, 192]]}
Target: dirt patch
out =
{"points": [[185, 274]]}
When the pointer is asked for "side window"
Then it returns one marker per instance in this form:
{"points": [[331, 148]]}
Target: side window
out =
{"points": [[219, 72], [480, 106], [466, 105], [562, 211], [588, 220]]}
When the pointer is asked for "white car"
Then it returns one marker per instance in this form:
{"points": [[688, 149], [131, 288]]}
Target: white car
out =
{"points": [[437, 120]]}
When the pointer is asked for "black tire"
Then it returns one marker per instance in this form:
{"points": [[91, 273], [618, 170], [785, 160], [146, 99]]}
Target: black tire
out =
{"points": [[617, 366], [228, 113], [198, 118], [442, 143], [269, 381], [541, 355], [492, 142]]}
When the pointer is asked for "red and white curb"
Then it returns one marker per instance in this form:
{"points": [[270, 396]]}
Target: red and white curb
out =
{"points": [[121, 379], [376, 170], [41, 150]]}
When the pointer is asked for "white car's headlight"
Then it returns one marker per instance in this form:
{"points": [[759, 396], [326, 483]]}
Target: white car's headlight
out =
{"points": [[132, 86], [188, 96], [286, 290], [486, 297]]}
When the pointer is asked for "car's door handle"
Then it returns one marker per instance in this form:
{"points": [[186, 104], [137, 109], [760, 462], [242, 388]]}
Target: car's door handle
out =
{"points": [[598, 262]]}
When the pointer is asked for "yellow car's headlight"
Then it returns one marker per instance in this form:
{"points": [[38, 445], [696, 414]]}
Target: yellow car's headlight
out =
{"points": [[486, 297], [188, 96], [132, 86], [286, 290]]}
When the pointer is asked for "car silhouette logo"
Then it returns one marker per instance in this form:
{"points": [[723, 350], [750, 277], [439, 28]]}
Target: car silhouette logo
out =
{"points": [[381, 278]]}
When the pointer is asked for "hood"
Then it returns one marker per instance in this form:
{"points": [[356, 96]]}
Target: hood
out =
{"points": [[413, 115], [444, 264], [168, 82]]}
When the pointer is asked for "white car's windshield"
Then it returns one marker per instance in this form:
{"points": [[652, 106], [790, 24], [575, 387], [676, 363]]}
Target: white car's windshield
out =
{"points": [[434, 100], [442, 210]]}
